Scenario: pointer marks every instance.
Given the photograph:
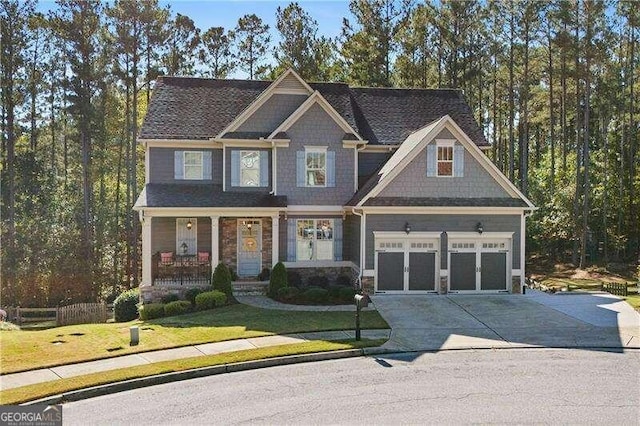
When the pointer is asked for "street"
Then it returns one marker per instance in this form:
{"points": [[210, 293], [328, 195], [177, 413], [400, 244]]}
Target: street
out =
{"points": [[483, 386]]}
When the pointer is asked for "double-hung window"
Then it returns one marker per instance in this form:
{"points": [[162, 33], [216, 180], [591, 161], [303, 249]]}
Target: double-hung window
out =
{"points": [[193, 166], [314, 239], [249, 168], [316, 167], [445, 158]]}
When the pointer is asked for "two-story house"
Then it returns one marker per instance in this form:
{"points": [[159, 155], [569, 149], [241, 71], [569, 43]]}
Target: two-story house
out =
{"points": [[387, 186]]}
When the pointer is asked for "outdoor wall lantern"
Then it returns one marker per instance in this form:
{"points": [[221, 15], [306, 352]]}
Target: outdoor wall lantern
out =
{"points": [[189, 225], [407, 228], [249, 225], [184, 248], [479, 228]]}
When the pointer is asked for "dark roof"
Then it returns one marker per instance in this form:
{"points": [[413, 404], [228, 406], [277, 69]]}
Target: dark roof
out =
{"points": [[448, 202], [200, 108], [203, 195]]}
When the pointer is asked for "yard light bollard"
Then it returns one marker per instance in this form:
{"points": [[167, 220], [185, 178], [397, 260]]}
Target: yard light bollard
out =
{"points": [[361, 301], [135, 335]]}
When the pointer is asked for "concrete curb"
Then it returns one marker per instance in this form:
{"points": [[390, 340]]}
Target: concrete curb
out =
{"points": [[159, 379]]}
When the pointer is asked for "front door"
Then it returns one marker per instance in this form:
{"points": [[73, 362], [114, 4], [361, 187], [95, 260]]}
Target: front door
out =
{"points": [[249, 247]]}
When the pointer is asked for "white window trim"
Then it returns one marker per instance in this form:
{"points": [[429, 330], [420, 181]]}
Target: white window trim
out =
{"points": [[242, 153], [445, 143], [184, 165], [315, 149], [315, 238]]}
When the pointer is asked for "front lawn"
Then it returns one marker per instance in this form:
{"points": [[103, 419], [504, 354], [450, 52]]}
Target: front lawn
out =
{"points": [[26, 350]]}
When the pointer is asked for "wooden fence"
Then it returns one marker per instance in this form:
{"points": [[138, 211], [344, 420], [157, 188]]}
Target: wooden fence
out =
{"points": [[79, 313]]}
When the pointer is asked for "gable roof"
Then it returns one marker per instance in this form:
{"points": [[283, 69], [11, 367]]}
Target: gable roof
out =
{"points": [[201, 108], [316, 99], [416, 143]]}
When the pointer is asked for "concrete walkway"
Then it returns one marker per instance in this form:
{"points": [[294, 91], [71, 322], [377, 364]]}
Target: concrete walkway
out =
{"points": [[432, 322], [266, 303], [9, 381]]}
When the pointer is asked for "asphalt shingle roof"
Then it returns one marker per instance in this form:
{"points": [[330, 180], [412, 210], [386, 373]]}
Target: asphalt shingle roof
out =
{"points": [[448, 202], [203, 195], [200, 108]]}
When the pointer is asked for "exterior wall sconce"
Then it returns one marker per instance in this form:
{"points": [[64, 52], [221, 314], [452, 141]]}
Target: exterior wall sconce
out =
{"points": [[479, 228], [189, 225], [249, 226], [407, 228], [184, 248]]}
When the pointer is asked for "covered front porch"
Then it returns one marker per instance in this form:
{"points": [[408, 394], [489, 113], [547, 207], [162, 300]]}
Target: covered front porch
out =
{"points": [[181, 251]]}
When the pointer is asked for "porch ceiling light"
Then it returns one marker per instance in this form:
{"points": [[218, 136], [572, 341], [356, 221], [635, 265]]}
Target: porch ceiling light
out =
{"points": [[189, 224], [479, 228], [407, 228]]}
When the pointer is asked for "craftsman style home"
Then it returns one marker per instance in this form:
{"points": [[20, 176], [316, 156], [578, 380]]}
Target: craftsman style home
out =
{"points": [[387, 187]]}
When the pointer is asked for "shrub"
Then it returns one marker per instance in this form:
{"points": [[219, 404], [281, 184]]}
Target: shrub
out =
{"points": [[294, 279], [347, 294], [125, 307], [191, 294], [178, 307], [171, 297], [277, 280], [318, 281], [334, 291], [344, 281], [210, 300], [264, 275], [315, 295], [288, 294], [151, 311], [234, 276], [222, 280]]}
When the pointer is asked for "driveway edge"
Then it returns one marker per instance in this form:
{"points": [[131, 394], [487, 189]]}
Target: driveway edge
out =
{"points": [[159, 379]]}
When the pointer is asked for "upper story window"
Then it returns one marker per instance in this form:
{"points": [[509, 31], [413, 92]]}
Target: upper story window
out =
{"points": [[316, 167], [249, 168], [445, 158], [193, 165]]}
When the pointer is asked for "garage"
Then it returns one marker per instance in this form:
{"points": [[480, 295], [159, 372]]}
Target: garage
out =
{"points": [[479, 262], [407, 263]]}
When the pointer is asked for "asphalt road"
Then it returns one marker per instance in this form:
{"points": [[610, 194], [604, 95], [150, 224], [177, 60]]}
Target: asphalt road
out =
{"points": [[488, 386]]}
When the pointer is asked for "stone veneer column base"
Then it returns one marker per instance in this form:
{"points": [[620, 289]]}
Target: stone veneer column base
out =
{"points": [[443, 285], [367, 285], [515, 285]]}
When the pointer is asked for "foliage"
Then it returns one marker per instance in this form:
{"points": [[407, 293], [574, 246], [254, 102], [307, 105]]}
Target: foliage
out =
{"points": [[264, 275], [125, 307], [334, 291], [210, 300], [318, 281], [344, 280], [179, 307], [150, 311], [315, 296], [221, 280], [277, 280], [191, 294], [254, 41], [288, 294], [171, 297], [347, 294], [294, 279]]}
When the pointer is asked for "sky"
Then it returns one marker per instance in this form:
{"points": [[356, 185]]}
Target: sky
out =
{"points": [[219, 13]]}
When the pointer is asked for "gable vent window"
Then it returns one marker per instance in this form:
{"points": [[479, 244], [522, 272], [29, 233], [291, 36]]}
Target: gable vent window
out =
{"points": [[445, 158]]}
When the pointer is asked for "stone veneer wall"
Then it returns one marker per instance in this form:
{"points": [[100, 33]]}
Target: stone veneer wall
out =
{"points": [[229, 242], [332, 274], [515, 284]]}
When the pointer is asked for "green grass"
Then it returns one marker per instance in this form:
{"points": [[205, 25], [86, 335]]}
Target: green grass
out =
{"points": [[41, 390], [590, 285], [29, 349]]}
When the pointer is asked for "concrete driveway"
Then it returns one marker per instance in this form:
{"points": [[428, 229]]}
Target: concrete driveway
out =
{"points": [[430, 322]]}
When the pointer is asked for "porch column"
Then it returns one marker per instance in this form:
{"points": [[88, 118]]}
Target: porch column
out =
{"points": [[215, 238], [147, 279], [275, 239]]}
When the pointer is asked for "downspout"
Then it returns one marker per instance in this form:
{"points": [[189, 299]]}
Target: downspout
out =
{"points": [[274, 166], [362, 243]]}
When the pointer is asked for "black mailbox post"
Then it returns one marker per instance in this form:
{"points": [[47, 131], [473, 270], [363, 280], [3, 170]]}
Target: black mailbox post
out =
{"points": [[361, 302]]}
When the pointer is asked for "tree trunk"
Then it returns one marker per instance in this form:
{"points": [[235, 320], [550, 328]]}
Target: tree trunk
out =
{"points": [[552, 123], [512, 149]]}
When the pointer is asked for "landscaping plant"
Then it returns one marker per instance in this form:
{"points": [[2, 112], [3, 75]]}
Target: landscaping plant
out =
{"points": [[177, 307], [125, 307], [210, 300], [277, 280], [171, 297], [151, 311], [221, 280], [191, 294]]}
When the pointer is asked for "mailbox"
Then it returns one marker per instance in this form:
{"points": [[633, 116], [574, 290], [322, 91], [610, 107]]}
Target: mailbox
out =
{"points": [[362, 301]]}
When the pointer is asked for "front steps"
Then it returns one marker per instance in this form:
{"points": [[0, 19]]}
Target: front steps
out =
{"points": [[250, 288]]}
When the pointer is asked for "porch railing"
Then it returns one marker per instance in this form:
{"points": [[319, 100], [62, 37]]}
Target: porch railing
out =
{"points": [[181, 270]]}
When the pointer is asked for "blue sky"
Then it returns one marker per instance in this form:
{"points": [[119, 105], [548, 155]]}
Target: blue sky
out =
{"points": [[218, 13]]}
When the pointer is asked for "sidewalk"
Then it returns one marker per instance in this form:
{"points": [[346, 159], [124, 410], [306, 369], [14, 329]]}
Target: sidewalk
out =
{"points": [[9, 381]]}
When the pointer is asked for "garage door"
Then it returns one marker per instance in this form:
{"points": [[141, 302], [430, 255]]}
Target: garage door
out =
{"points": [[478, 265], [406, 264]]}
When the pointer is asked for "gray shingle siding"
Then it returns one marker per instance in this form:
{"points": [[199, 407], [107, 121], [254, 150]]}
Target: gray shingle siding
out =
{"points": [[270, 115], [163, 234], [230, 188], [413, 180], [443, 223], [352, 243], [315, 128], [161, 165]]}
